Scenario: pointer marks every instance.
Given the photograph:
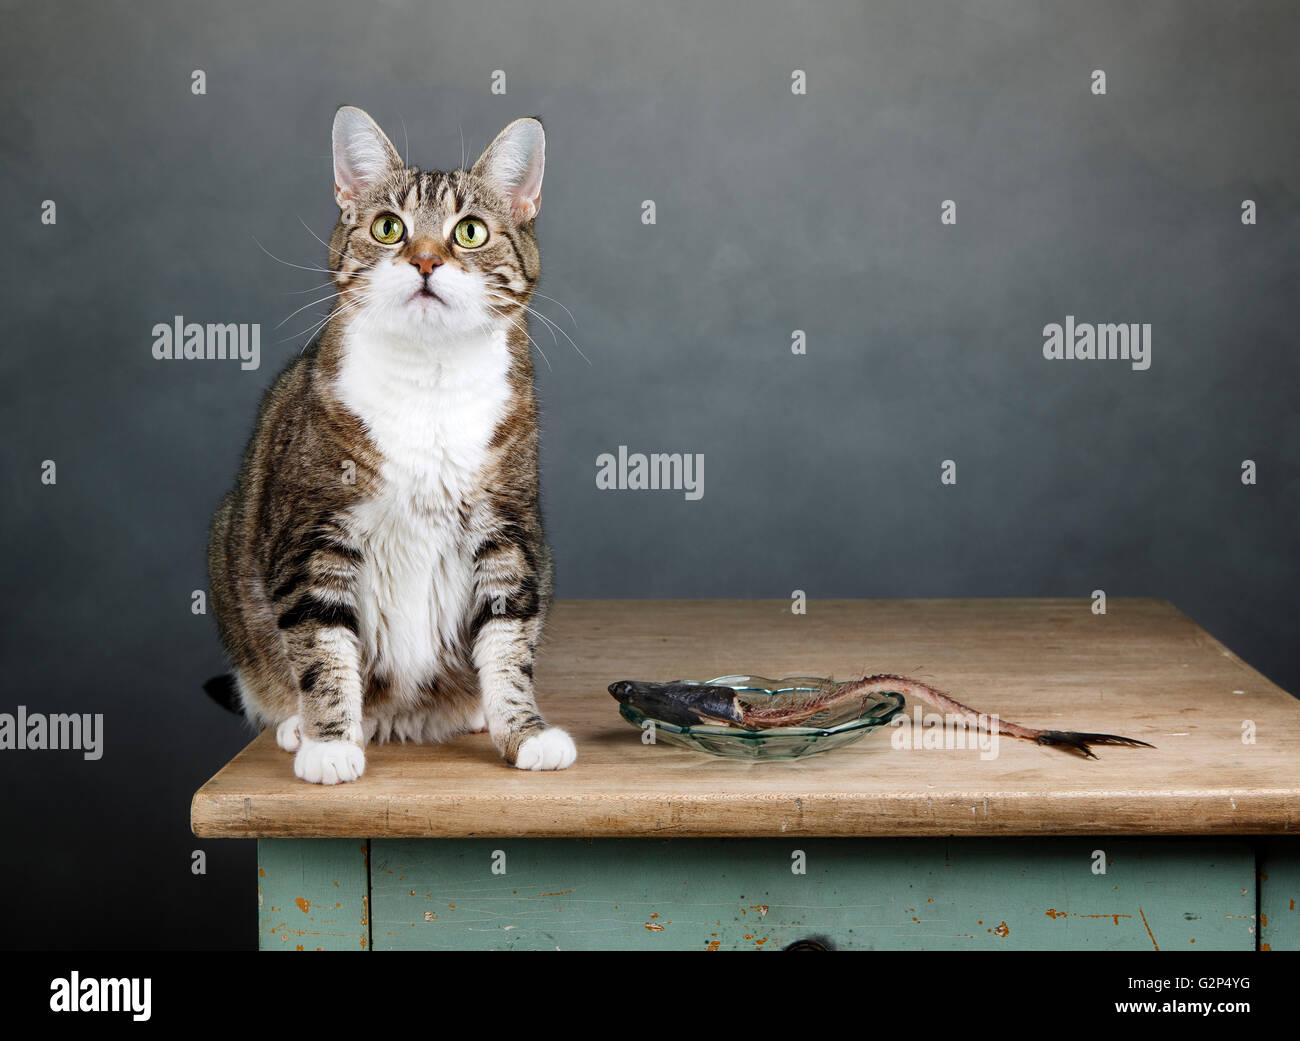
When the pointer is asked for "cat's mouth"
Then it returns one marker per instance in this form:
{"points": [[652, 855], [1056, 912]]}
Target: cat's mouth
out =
{"points": [[425, 295]]}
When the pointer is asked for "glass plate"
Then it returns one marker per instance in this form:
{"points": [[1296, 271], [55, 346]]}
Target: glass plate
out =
{"points": [[821, 733]]}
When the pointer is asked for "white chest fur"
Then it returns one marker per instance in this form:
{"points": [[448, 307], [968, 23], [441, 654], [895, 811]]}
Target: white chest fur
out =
{"points": [[430, 409]]}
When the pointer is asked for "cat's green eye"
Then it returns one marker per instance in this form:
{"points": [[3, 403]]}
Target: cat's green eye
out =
{"points": [[388, 229], [470, 233]]}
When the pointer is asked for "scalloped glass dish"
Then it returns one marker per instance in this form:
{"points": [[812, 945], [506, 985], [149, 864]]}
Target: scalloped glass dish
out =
{"points": [[829, 729]]}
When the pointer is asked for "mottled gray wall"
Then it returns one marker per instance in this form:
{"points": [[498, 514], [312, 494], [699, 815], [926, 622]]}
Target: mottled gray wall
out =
{"points": [[775, 212]]}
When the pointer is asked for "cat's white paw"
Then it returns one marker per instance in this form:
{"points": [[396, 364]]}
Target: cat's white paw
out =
{"points": [[552, 749], [329, 762], [477, 723], [287, 736]]}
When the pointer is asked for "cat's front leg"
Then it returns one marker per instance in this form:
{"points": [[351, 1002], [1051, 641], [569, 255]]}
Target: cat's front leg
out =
{"points": [[318, 617], [326, 660], [505, 645]]}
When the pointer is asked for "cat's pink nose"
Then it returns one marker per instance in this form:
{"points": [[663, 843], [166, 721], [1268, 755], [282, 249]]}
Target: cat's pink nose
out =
{"points": [[426, 262]]}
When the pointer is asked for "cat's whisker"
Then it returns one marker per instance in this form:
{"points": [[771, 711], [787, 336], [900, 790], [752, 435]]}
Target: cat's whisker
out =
{"points": [[523, 329], [312, 334], [526, 309], [557, 303], [309, 333], [304, 307], [549, 324], [544, 318], [551, 332], [337, 252], [309, 289], [348, 307], [286, 263]]}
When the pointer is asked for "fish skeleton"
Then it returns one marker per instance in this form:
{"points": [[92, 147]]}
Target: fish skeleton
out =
{"points": [[688, 704]]}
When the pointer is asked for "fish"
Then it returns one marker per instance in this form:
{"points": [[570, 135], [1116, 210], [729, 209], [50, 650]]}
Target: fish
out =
{"points": [[689, 704], [682, 704]]}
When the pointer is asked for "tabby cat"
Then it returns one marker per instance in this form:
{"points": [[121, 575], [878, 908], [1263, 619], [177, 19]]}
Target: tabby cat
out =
{"points": [[379, 570]]}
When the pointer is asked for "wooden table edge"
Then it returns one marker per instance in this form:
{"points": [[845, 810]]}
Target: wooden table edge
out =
{"points": [[833, 815]]}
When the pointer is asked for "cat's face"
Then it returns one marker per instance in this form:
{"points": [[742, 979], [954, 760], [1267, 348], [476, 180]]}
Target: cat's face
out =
{"points": [[419, 252]]}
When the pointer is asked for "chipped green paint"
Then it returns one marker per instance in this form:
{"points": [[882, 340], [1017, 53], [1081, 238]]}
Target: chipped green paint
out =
{"points": [[1279, 894], [313, 895], [871, 894]]}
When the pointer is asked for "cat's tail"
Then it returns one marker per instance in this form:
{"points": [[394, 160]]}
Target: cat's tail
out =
{"points": [[223, 691]]}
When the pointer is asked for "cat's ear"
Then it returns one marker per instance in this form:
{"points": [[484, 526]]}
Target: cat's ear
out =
{"points": [[363, 155], [513, 166]]}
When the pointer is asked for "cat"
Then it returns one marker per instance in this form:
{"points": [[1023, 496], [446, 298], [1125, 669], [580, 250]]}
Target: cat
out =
{"points": [[379, 570]]}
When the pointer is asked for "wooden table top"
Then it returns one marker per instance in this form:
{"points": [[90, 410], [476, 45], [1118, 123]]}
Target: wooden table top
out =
{"points": [[1144, 670]]}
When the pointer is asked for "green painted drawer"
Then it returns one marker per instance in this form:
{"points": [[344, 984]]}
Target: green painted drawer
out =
{"points": [[870, 894], [313, 894], [1279, 894]]}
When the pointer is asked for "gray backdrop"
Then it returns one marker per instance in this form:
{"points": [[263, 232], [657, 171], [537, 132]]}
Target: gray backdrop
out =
{"points": [[775, 212]]}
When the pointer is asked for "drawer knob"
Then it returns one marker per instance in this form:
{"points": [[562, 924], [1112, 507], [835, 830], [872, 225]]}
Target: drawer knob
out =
{"points": [[808, 944]]}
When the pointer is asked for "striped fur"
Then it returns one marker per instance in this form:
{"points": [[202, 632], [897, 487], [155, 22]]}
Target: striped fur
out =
{"points": [[379, 570]]}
